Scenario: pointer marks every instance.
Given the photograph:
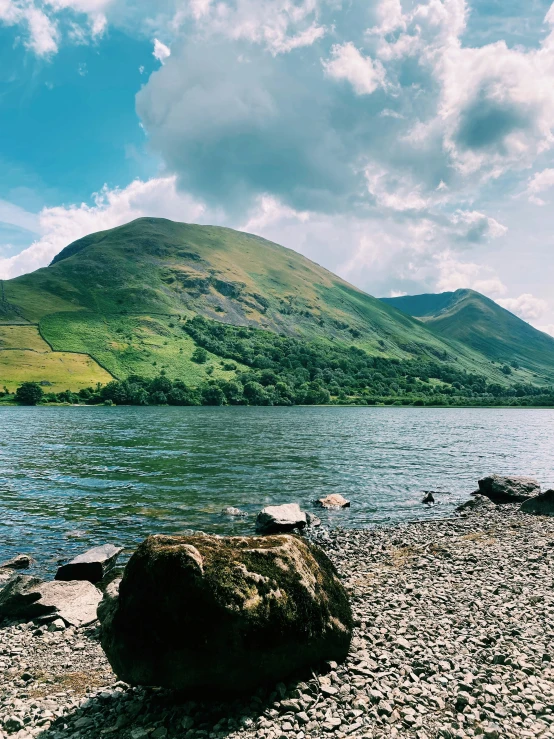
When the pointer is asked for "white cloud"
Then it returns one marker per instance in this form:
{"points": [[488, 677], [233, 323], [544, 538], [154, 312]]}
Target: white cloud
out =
{"points": [[161, 51], [454, 274], [474, 227], [61, 225], [42, 31], [347, 63], [540, 182], [397, 293], [527, 306], [269, 211]]}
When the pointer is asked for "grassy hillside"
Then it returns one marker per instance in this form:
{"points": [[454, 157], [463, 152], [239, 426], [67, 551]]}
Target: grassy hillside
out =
{"points": [[480, 323], [123, 297]]}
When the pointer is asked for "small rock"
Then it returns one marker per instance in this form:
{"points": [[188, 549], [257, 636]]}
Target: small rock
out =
{"points": [[332, 501], [478, 502], [428, 498], [540, 505], [230, 511], [313, 520], [92, 565], [19, 562], [280, 519], [508, 489], [57, 625]]}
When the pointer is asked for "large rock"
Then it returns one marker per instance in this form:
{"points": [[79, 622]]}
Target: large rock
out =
{"points": [[224, 615], [27, 598], [280, 519], [508, 489], [332, 501], [92, 565], [541, 505]]}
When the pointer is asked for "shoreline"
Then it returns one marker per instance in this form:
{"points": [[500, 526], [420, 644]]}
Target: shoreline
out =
{"points": [[453, 639], [9, 404]]}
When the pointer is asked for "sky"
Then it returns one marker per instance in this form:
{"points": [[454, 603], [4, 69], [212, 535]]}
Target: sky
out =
{"points": [[406, 145]]}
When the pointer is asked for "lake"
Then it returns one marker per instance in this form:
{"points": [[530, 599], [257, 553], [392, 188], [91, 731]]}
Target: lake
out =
{"points": [[71, 478]]}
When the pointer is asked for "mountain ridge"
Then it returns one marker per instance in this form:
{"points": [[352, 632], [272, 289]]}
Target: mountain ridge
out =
{"points": [[122, 296]]}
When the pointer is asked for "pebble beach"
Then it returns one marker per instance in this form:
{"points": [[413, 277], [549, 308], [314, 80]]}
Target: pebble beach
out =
{"points": [[453, 639]]}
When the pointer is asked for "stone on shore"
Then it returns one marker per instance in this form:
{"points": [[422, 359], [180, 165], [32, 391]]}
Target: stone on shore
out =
{"points": [[19, 562], [477, 503], [280, 519], [28, 598], [224, 615], [508, 489], [540, 505], [92, 565], [332, 501]]}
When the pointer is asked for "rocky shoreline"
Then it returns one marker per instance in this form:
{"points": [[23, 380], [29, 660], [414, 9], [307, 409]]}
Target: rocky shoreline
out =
{"points": [[454, 630]]}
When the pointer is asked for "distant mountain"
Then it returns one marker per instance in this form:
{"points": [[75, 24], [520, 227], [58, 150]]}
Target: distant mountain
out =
{"points": [[114, 304], [476, 321]]}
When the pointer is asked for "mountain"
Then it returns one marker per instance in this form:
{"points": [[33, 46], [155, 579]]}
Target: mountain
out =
{"points": [[115, 303], [476, 321]]}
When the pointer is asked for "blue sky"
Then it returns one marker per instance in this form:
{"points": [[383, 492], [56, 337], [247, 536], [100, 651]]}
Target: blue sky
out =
{"points": [[407, 145]]}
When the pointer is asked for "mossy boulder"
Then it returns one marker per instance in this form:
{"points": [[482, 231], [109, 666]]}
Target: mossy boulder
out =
{"points": [[224, 615]]}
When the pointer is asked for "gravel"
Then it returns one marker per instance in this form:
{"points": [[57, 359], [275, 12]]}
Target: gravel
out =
{"points": [[455, 621]]}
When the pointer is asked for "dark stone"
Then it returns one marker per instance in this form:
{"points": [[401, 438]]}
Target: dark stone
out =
{"points": [[280, 519], [224, 615], [92, 565], [540, 505], [19, 562], [313, 520], [508, 489], [429, 498], [478, 502]]}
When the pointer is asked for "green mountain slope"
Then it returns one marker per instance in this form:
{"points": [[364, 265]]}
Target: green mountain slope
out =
{"points": [[123, 296], [478, 322]]}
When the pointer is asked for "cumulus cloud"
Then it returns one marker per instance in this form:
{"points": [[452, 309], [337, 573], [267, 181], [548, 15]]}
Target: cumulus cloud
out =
{"points": [[61, 225], [347, 63], [526, 306], [161, 51], [540, 182]]}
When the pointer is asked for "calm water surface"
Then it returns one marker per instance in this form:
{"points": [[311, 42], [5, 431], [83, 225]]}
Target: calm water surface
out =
{"points": [[77, 477]]}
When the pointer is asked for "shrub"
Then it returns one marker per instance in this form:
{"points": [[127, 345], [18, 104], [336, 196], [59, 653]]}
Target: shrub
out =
{"points": [[29, 393]]}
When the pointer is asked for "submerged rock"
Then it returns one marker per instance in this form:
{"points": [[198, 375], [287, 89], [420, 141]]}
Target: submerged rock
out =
{"points": [[280, 519], [478, 502], [332, 501], [19, 562], [541, 505], [28, 598], [231, 511], [224, 615], [508, 489], [92, 565]]}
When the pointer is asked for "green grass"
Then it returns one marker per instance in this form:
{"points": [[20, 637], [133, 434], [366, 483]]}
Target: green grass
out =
{"points": [[481, 324]]}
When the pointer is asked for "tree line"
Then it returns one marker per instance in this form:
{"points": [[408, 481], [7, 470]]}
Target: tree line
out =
{"points": [[271, 369]]}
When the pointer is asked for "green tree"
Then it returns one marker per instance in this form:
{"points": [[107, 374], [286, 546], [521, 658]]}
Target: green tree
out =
{"points": [[212, 395], [199, 355], [29, 393]]}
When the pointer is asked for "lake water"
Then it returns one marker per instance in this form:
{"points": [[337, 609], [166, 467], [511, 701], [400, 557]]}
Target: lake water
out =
{"points": [[71, 478]]}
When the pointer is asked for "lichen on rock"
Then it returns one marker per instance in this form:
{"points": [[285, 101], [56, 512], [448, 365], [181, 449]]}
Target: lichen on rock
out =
{"points": [[224, 614]]}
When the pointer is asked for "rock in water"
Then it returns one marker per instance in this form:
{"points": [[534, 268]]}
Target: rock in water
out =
{"points": [[224, 615], [477, 503], [332, 501], [541, 505], [280, 519], [19, 562], [232, 511], [28, 598], [508, 489], [92, 565], [429, 498]]}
